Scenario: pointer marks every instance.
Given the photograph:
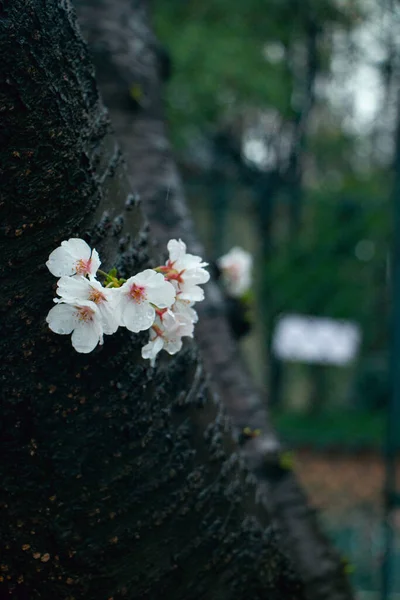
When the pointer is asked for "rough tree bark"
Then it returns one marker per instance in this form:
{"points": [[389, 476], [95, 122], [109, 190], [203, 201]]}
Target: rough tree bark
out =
{"points": [[117, 480], [126, 55]]}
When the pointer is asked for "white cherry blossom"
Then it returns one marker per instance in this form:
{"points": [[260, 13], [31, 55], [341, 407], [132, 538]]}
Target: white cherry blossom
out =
{"points": [[166, 334], [236, 268], [80, 289], [186, 271], [82, 320], [184, 307], [159, 299], [139, 297], [73, 257]]}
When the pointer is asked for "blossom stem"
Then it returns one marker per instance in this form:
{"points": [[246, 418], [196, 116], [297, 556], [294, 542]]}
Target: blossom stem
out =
{"points": [[102, 272]]}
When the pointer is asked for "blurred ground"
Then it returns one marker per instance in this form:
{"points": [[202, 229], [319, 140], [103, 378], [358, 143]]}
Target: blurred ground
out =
{"points": [[347, 489]]}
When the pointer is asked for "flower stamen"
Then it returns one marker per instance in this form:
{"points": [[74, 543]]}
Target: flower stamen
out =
{"points": [[97, 296], [85, 313], [137, 293], [83, 267]]}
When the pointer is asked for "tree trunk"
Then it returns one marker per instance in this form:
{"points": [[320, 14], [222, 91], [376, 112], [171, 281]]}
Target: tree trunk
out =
{"points": [[118, 480], [302, 121], [127, 55]]}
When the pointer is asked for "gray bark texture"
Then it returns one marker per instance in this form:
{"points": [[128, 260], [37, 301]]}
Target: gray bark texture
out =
{"points": [[126, 53], [117, 480]]}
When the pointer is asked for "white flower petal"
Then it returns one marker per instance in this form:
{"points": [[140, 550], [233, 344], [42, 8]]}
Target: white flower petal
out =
{"points": [[151, 349], [126, 286], [137, 316], [192, 315], [183, 307], [189, 261], [73, 288], [61, 319], [61, 262], [176, 249], [116, 302], [192, 294], [168, 320], [186, 327], [148, 277], [86, 336], [196, 276], [173, 346], [109, 318], [95, 262], [163, 295], [89, 304], [188, 271], [79, 290], [121, 301], [64, 259], [77, 248]]}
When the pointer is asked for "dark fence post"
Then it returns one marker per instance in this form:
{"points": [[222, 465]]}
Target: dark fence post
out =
{"points": [[392, 498]]}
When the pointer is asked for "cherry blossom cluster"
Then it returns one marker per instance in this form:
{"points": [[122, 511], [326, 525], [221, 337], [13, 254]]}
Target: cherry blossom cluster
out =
{"points": [[159, 300], [235, 267]]}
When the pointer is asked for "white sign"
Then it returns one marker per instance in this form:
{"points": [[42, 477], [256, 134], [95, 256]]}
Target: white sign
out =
{"points": [[316, 340]]}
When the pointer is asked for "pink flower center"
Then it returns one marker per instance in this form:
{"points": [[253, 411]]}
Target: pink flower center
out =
{"points": [[97, 296], [137, 293], [83, 266], [85, 313]]}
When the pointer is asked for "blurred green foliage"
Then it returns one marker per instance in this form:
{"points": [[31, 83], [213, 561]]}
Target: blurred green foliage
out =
{"points": [[231, 56], [321, 203], [336, 430]]}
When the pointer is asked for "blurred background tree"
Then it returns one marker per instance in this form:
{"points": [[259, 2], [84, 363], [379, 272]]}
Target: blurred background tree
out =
{"points": [[279, 104], [283, 116]]}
